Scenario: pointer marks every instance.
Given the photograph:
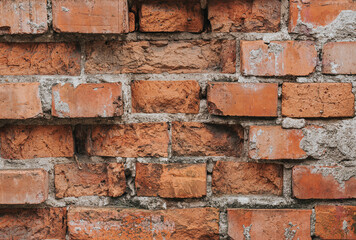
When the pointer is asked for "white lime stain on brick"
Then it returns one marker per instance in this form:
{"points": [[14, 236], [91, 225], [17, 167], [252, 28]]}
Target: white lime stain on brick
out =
{"points": [[246, 232], [61, 107], [289, 232]]}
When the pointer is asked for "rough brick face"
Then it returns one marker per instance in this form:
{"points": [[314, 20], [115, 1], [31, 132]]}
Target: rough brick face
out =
{"points": [[171, 16], [87, 100], [323, 182], [244, 16], [23, 17], [23, 186], [316, 13], [171, 180], [278, 58], [199, 139], [129, 140], [126, 224], [81, 16], [339, 57], [39, 59], [308, 100], [165, 96], [91, 180], [269, 223], [243, 99], [273, 142], [20, 100], [161, 56], [335, 222], [41, 223], [25, 142], [247, 178]]}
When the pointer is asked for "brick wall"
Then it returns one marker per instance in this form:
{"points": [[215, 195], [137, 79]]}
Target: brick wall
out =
{"points": [[162, 119]]}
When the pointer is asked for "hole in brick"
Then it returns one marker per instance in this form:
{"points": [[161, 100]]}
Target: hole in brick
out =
{"points": [[5, 29]]}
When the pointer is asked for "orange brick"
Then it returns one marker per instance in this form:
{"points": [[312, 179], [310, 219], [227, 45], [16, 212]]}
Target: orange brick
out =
{"points": [[335, 222], [322, 182], [273, 142], [171, 180], [165, 96], [199, 139], [102, 179], [243, 99], [128, 140], [193, 56], [308, 100], [269, 223], [25, 142], [20, 100], [23, 17], [339, 57], [81, 16], [244, 16], [87, 100], [278, 58], [23, 186], [39, 59], [127, 224], [247, 178], [31, 223], [171, 16], [316, 13]]}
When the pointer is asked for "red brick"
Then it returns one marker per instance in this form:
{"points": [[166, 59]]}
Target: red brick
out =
{"points": [[194, 56], [87, 100], [308, 100], [165, 96], [243, 99], [20, 100], [247, 178], [102, 179], [278, 58], [171, 180], [201, 139], [244, 16], [23, 17], [322, 182], [31, 223], [23, 186], [339, 57], [269, 223], [132, 22], [129, 140], [274, 142], [127, 224], [316, 13], [335, 222], [171, 16], [25, 142], [39, 59], [81, 16]]}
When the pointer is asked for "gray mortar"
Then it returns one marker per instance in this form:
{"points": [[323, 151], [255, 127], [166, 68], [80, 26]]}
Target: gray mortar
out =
{"points": [[334, 144]]}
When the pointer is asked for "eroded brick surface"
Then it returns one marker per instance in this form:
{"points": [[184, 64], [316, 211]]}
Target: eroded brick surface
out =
{"points": [[244, 16], [99, 179], [171, 180], [247, 178], [318, 100], [32, 223], [23, 186], [127, 224], [20, 100], [25, 142], [171, 16], [199, 139], [339, 57], [104, 16], [87, 100], [165, 96], [269, 224], [197, 56]]}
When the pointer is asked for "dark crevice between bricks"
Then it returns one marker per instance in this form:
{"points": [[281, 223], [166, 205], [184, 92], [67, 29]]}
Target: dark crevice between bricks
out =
{"points": [[207, 24], [81, 134]]}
